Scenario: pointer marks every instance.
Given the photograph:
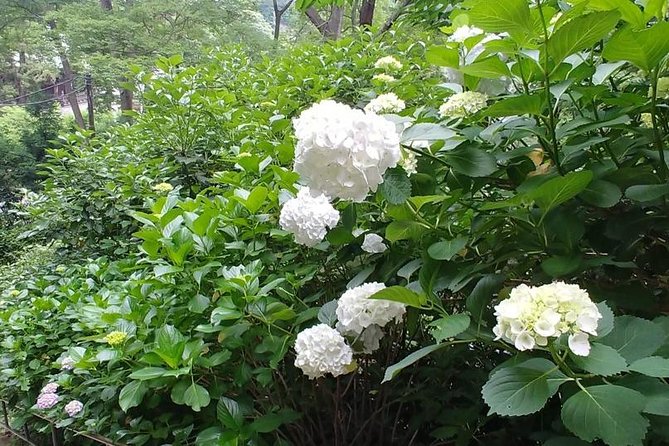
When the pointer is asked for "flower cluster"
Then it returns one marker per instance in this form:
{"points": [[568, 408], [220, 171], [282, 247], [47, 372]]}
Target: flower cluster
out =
{"points": [[320, 350], [67, 363], [308, 217], [373, 244], [409, 162], [531, 315], [74, 407], [343, 152], [461, 105], [385, 103], [162, 187], [356, 311], [464, 32], [388, 63], [115, 338], [47, 396], [383, 77]]}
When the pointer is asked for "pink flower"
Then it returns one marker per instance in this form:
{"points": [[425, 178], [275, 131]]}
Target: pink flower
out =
{"points": [[73, 407], [47, 400], [49, 388], [67, 363]]}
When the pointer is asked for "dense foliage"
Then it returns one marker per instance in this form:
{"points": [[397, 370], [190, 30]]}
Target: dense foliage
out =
{"points": [[533, 152]]}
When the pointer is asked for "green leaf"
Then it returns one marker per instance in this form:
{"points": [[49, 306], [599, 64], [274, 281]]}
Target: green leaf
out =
{"points": [[169, 345], [634, 338], [602, 360], [603, 194], [402, 295], [404, 230], [646, 192], [519, 390], [327, 314], [645, 49], [580, 33], [449, 326], [443, 56], [148, 373], [427, 131], [256, 199], [447, 249], [229, 413], [605, 324], [516, 105], [471, 161], [396, 186], [558, 266], [654, 366], [628, 10], [394, 369], [198, 303], [196, 397], [558, 190], [655, 391], [271, 421], [511, 16], [610, 413], [132, 395], [488, 68], [482, 294]]}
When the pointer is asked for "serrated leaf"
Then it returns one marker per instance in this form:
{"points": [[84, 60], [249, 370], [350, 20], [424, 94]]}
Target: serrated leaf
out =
{"points": [[449, 326], [511, 16], [654, 366], [645, 48], [229, 413], [447, 249], [610, 413], [396, 186], [132, 395], [580, 33], [634, 338], [516, 105], [558, 190], [402, 295], [518, 390], [602, 360]]}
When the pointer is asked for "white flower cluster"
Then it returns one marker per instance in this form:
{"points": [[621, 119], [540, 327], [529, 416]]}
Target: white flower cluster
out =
{"points": [[383, 77], [385, 103], [464, 32], [343, 152], [356, 311], [373, 244], [320, 350], [531, 315], [308, 217], [74, 407], [409, 162], [461, 105], [388, 63]]}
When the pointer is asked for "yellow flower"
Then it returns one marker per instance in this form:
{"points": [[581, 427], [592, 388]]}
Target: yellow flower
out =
{"points": [[14, 293], [647, 120], [115, 338], [162, 187]]}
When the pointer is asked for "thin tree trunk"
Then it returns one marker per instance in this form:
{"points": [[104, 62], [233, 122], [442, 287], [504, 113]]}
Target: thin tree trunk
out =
{"points": [[126, 98], [335, 22], [278, 14], [394, 16], [19, 81], [367, 12], [69, 92]]}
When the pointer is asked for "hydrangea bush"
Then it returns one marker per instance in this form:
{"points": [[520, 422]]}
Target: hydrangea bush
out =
{"points": [[326, 271]]}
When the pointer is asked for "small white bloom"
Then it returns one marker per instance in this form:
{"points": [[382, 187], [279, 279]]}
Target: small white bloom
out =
{"points": [[322, 349], [308, 217], [343, 152], [524, 341], [373, 244], [74, 407], [464, 32], [409, 162], [67, 363], [579, 344], [49, 388], [385, 103], [356, 311], [388, 63], [464, 104], [383, 77]]}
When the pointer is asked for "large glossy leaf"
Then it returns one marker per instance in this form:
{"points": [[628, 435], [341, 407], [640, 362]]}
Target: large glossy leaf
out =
{"points": [[645, 49], [634, 338], [580, 33], [516, 105], [132, 395], [503, 16], [558, 190], [471, 161], [396, 186], [447, 249], [521, 390], [602, 360], [196, 397], [449, 326], [402, 295], [610, 413], [655, 366]]}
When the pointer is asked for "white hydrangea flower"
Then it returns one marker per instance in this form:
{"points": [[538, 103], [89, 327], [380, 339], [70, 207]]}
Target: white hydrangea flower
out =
{"points": [[464, 32], [373, 244], [343, 152], [308, 217], [49, 388], [322, 349], [409, 162], [355, 311], [388, 63], [463, 104], [383, 77], [531, 315], [385, 103], [67, 363]]}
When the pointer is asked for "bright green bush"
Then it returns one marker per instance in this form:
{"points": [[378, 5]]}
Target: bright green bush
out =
{"points": [[185, 334]]}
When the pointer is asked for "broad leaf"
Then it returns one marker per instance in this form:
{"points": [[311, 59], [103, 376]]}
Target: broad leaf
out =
{"points": [[132, 395], [471, 161], [503, 16], [580, 33], [602, 360], [449, 326], [655, 366], [558, 190], [634, 338], [516, 105], [196, 397], [396, 186], [610, 413], [647, 192], [603, 194], [645, 49], [229, 413], [447, 249], [402, 295]]}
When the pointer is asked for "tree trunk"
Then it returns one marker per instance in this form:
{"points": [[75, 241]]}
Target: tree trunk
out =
{"points": [[106, 5], [126, 98], [367, 12], [19, 81], [330, 29], [69, 92], [394, 16], [278, 14]]}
